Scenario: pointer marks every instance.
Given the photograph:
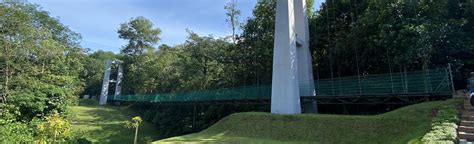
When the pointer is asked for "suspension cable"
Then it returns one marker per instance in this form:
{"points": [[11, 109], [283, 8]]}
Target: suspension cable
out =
{"points": [[329, 47], [354, 14]]}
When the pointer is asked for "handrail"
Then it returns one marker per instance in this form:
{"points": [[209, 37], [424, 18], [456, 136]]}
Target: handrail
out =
{"points": [[430, 82]]}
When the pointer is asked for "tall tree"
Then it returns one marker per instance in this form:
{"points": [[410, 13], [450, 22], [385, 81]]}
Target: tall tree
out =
{"points": [[138, 53], [141, 36], [232, 17]]}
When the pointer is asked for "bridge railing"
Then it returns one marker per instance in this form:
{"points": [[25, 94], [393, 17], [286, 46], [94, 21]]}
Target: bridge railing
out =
{"points": [[430, 82], [436, 81]]}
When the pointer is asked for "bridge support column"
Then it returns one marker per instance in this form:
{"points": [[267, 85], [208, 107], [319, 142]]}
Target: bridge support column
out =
{"points": [[118, 84], [305, 67], [285, 86], [292, 70], [105, 83]]}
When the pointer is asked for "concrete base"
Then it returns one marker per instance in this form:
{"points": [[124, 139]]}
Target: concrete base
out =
{"points": [[309, 106]]}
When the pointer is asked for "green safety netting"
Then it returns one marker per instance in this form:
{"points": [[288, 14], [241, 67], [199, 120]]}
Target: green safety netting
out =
{"points": [[429, 82]]}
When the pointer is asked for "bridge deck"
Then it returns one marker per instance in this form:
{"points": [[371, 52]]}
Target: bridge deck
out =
{"points": [[436, 82]]}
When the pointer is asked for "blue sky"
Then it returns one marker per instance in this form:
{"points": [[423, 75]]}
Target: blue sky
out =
{"points": [[97, 20]]}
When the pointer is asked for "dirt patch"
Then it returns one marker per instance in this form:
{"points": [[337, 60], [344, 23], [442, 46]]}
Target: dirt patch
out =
{"points": [[434, 112]]}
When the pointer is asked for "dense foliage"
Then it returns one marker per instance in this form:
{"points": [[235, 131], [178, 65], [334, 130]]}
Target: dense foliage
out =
{"points": [[41, 64], [366, 37]]}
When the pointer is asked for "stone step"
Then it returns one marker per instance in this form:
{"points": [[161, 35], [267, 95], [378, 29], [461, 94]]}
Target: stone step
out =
{"points": [[468, 108], [466, 117], [467, 129], [467, 123], [466, 136], [467, 112], [464, 141]]}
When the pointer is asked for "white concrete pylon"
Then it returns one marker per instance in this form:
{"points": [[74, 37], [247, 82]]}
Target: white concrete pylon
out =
{"points": [[292, 65], [285, 80], [105, 83], [118, 84], [305, 67]]}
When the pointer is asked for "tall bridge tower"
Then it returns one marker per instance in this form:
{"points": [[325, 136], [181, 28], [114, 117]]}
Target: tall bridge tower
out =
{"points": [[292, 69], [106, 80]]}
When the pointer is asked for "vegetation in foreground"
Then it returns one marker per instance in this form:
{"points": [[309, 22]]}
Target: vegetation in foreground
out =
{"points": [[107, 124], [408, 124]]}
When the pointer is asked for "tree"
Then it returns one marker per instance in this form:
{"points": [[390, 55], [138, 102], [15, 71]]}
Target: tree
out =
{"points": [[42, 61], [140, 34], [138, 53], [134, 123], [232, 17]]}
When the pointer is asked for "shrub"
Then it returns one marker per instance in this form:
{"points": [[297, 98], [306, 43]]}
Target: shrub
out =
{"points": [[16, 132], [443, 126], [55, 128]]}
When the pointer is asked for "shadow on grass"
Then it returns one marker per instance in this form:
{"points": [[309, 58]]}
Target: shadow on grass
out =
{"points": [[106, 124], [222, 138]]}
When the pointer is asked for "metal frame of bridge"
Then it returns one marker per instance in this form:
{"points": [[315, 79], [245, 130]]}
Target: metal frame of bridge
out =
{"points": [[416, 87]]}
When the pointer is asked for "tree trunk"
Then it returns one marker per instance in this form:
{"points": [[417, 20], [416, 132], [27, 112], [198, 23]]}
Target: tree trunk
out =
{"points": [[6, 71], [136, 135]]}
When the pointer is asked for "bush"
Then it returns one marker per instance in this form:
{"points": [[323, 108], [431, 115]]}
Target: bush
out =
{"points": [[443, 126], [55, 128], [16, 132]]}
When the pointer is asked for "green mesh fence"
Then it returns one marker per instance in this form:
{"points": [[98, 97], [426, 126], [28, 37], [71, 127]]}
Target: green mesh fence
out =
{"points": [[435, 82], [430, 82]]}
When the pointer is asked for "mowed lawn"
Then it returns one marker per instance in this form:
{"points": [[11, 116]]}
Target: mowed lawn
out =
{"points": [[404, 125], [105, 124]]}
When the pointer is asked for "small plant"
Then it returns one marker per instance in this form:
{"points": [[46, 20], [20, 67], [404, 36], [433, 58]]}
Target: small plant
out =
{"points": [[135, 123], [54, 128]]}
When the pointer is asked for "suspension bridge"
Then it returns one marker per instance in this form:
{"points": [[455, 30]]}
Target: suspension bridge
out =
{"points": [[406, 87], [293, 84]]}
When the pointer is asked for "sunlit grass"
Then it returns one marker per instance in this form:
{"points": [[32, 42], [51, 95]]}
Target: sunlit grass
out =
{"points": [[404, 125], [101, 124]]}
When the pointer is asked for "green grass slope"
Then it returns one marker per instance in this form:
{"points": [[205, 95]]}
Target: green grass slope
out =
{"points": [[105, 124], [404, 125]]}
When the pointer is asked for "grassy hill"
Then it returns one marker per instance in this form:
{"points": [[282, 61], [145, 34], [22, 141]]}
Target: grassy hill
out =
{"points": [[105, 124], [404, 125]]}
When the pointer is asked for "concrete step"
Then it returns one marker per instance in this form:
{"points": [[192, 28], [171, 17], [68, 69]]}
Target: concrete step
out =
{"points": [[466, 129], [467, 123], [467, 112], [464, 141], [468, 108], [467, 117], [466, 136]]}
